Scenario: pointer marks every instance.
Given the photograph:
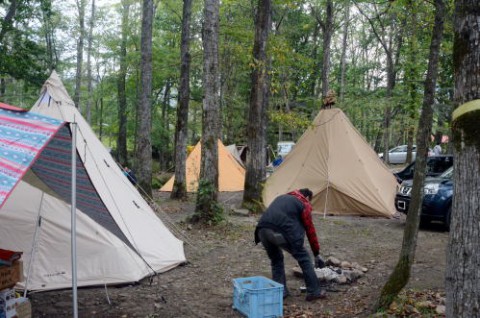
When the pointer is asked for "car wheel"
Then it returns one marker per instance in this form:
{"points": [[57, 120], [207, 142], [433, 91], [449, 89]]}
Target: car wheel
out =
{"points": [[448, 218]]}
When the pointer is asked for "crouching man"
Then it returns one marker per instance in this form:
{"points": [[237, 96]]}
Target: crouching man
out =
{"points": [[282, 227]]}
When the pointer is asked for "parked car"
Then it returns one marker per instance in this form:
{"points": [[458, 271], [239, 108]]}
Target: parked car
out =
{"points": [[436, 165], [437, 198], [284, 148], [398, 155]]}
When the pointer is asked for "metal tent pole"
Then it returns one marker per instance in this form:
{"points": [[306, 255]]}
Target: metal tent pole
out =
{"points": [[73, 126]]}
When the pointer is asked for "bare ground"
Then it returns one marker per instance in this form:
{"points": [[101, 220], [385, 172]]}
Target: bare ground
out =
{"points": [[216, 255]]}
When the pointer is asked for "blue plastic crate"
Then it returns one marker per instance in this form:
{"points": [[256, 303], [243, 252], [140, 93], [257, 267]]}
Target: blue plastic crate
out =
{"points": [[258, 297]]}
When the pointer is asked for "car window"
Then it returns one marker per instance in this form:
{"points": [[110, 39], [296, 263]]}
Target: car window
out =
{"points": [[399, 149], [447, 174]]}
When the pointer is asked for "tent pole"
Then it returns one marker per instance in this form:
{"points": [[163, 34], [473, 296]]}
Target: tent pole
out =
{"points": [[38, 223], [74, 209]]}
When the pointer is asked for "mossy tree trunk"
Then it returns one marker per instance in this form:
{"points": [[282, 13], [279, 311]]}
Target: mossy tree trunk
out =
{"points": [[257, 123], [463, 253], [401, 274], [207, 196], [179, 190]]}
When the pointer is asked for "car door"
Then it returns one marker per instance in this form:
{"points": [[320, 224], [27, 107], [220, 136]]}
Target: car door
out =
{"points": [[398, 154]]}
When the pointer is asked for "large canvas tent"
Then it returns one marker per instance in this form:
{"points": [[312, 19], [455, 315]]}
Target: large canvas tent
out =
{"points": [[344, 173], [231, 175], [119, 238]]}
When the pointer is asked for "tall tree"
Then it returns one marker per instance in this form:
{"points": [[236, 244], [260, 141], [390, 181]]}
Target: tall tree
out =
{"points": [[81, 4], [343, 62], [88, 108], [389, 32], [401, 274], [144, 138], [327, 39], [257, 123], [207, 207], [179, 190], [463, 257], [122, 155]]}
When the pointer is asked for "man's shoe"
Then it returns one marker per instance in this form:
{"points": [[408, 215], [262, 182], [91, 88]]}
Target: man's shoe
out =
{"points": [[321, 295]]}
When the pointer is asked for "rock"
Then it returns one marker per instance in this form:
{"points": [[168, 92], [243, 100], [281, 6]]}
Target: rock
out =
{"points": [[341, 279], [364, 269], [345, 264], [440, 309], [297, 272], [241, 212], [326, 274], [333, 261], [411, 310]]}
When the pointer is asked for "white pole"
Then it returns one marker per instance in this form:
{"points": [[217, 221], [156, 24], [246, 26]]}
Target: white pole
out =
{"points": [[34, 244], [74, 209]]}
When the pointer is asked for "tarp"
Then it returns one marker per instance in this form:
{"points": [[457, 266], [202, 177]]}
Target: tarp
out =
{"points": [[231, 175], [120, 239], [344, 173]]}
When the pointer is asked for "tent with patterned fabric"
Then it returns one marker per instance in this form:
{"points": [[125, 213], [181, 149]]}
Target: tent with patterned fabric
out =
{"points": [[119, 238]]}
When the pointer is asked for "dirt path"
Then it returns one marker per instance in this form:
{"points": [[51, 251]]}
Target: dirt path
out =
{"points": [[203, 287]]}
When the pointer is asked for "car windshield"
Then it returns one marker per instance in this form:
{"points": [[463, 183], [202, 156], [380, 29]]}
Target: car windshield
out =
{"points": [[447, 174]]}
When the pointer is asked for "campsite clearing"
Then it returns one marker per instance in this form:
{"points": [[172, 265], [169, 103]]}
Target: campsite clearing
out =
{"points": [[203, 287]]}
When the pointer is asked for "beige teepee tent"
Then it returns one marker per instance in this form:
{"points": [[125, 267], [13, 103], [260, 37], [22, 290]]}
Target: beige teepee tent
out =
{"points": [[231, 175], [339, 166]]}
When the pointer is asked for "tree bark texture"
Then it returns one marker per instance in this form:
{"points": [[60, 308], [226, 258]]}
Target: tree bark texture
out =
{"points": [[327, 39], [206, 199], [88, 108], [81, 38], [463, 256], [179, 190], [401, 274], [343, 62], [122, 155], [144, 142], [257, 118]]}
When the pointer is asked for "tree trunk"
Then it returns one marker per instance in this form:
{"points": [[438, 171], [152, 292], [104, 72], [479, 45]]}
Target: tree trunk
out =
{"points": [[78, 77], [144, 142], [327, 39], [88, 109], [179, 190], [343, 62], [122, 153], [463, 256], [207, 206], [257, 123], [401, 274]]}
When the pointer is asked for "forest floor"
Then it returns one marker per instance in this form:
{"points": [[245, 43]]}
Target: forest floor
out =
{"points": [[216, 255]]}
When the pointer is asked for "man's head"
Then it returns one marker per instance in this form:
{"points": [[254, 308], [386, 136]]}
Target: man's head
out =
{"points": [[306, 193]]}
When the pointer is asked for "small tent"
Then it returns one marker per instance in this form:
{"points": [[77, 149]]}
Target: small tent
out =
{"points": [[231, 175], [119, 238], [339, 166]]}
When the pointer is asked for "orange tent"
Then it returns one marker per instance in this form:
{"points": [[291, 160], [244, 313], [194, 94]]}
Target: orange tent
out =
{"points": [[231, 175]]}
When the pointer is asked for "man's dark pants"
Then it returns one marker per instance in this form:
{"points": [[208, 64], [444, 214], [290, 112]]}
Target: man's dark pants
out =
{"points": [[274, 243]]}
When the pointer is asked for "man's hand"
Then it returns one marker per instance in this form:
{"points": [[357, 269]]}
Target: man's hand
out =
{"points": [[319, 262]]}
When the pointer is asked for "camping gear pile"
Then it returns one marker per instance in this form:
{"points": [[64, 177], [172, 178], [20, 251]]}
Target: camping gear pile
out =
{"points": [[336, 271], [11, 271]]}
